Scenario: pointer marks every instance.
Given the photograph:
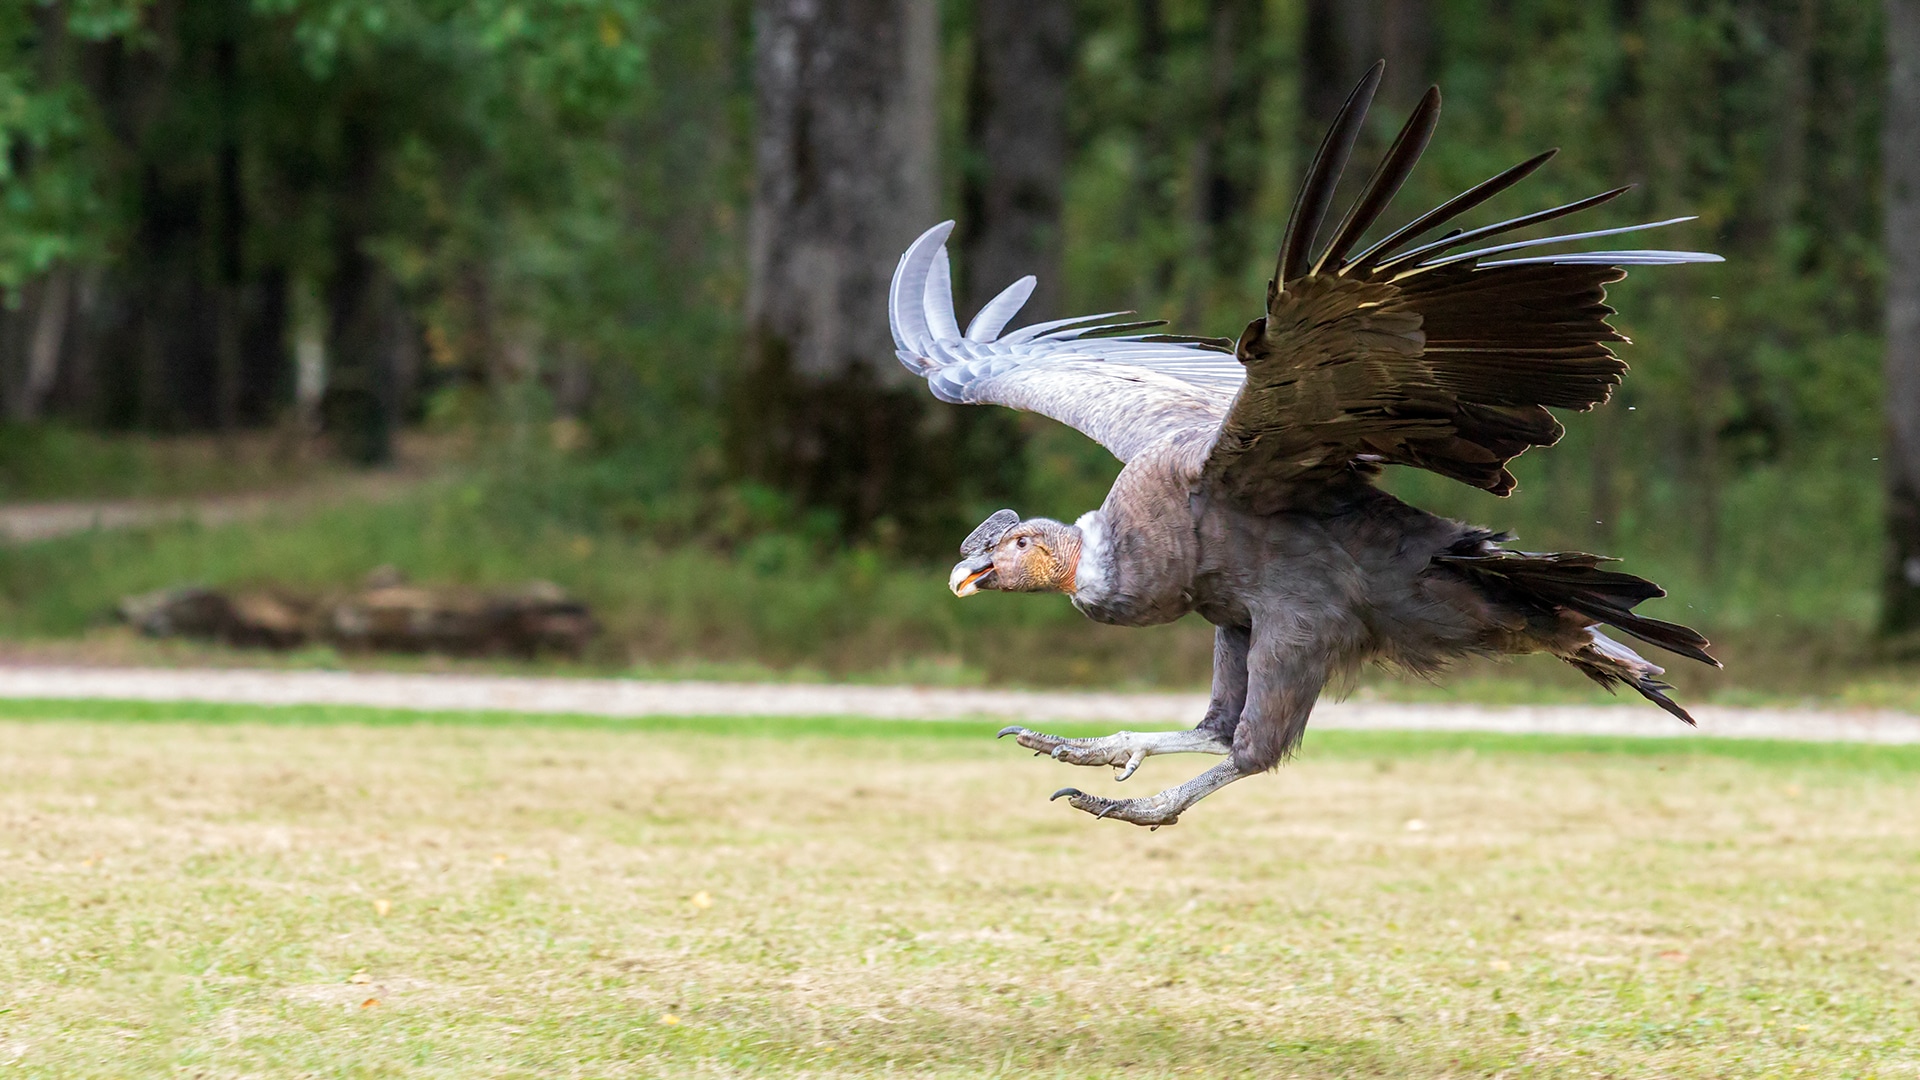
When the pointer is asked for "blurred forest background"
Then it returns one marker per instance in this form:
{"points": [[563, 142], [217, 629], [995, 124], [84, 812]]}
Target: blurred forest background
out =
{"points": [[615, 270]]}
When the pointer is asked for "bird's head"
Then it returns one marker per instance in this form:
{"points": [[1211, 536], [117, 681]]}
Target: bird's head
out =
{"points": [[1010, 555]]}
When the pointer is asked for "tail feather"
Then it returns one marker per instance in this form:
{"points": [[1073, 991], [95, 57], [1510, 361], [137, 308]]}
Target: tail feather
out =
{"points": [[1673, 637], [1575, 581], [1610, 663], [1561, 582]]}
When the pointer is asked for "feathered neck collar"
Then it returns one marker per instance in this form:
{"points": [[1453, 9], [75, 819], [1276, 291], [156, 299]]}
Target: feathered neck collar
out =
{"points": [[1093, 572]]}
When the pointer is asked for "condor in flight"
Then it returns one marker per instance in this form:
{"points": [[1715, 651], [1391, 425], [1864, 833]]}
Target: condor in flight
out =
{"points": [[1248, 494]]}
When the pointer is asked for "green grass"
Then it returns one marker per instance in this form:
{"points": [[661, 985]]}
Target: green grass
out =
{"points": [[1331, 742], [227, 891], [775, 601], [771, 606], [54, 462]]}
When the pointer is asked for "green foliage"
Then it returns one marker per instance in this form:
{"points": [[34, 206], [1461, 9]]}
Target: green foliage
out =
{"points": [[50, 153], [249, 149], [560, 191], [759, 594], [784, 600], [56, 462]]}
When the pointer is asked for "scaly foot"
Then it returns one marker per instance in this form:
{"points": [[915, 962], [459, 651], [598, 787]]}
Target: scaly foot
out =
{"points": [[1152, 813], [1162, 809], [1124, 750]]}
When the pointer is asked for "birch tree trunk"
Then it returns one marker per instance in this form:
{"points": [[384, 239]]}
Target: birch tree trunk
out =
{"points": [[1900, 154], [55, 312]]}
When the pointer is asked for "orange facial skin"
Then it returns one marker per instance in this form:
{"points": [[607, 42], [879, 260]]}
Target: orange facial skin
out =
{"points": [[1034, 556]]}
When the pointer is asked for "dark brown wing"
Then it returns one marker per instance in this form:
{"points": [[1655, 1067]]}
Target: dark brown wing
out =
{"points": [[1415, 356]]}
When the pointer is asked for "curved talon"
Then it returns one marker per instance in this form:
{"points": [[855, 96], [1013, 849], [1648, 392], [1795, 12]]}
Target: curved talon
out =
{"points": [[1067, 791], [1105, 810], [1133, 762], [1010, 729]]}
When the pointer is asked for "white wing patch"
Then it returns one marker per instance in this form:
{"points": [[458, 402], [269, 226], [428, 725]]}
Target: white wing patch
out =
{"points": [[1000, 310]]}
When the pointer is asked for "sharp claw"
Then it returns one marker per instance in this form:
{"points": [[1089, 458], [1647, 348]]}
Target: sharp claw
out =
{"points": [[1010, 729], [1067, 791], [1104, 811], [1132, 764]]}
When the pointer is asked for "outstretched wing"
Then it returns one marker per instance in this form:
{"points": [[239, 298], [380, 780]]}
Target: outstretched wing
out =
{"points": [[1126, 391], [1426, 356]]}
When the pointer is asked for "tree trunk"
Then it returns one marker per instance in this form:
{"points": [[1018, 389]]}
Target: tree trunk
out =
{"points": [[1342, 38], [53, 312], [1900, 153], [1226, 159], [228, 220], [182, 331], [1407, 43], [31, 340], [1017, 138], [364, 321], [844, 179], [266, 383]]}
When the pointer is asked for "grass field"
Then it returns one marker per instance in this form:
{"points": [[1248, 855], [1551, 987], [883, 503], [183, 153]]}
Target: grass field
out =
{"points": [[223, 892]]}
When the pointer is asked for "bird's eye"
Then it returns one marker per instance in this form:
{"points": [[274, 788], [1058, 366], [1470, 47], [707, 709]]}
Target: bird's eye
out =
{"points": [[1022, 542]]}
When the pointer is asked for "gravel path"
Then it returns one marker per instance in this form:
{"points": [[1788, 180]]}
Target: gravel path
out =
{"points": [[621, 697]]}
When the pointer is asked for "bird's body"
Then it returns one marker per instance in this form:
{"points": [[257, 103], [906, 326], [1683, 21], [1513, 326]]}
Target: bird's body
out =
{"points": [[1248, 493], [1165, 550]]}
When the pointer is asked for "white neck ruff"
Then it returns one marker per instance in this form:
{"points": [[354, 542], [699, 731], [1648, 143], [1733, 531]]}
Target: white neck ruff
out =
{"points": [[1093, 577]]}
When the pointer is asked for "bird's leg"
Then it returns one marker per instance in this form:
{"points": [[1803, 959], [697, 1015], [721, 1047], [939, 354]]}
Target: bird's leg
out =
{"points": [[1229, 697], [1162, 809], [1281, 688], [1124, 750]]}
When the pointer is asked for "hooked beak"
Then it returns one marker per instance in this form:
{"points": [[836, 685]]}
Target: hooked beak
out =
{"points": [[970, 574]]}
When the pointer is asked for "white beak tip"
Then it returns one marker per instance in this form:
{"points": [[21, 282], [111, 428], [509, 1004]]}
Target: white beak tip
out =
{"points": [[965, 580]]}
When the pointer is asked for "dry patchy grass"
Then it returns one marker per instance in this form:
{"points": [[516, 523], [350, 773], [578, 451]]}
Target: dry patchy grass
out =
{"points": [[535, 900]]}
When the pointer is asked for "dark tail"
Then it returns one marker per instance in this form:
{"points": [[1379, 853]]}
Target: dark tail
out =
{"points": [[1610, 663], [1574, 581]]}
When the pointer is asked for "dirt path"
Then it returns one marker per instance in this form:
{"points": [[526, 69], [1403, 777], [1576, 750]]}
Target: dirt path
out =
{"points": [[622, 697], [29, 521], [26, 522]]}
